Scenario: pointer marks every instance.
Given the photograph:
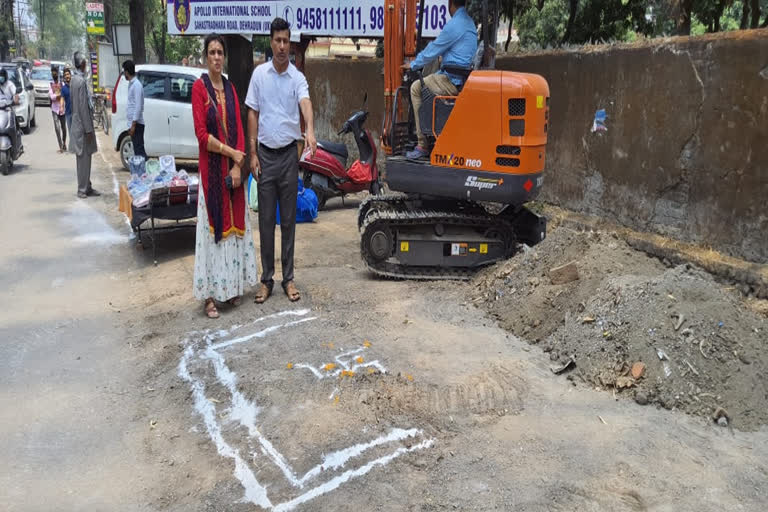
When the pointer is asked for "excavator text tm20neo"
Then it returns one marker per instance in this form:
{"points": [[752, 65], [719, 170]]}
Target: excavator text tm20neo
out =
{"points": [[488, 146]]}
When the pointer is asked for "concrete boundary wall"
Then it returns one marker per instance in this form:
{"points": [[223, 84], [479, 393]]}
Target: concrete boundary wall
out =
{"points": [[685, 153]]}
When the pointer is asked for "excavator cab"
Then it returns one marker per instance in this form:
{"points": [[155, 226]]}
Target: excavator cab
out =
{"points": [[487, 145]]}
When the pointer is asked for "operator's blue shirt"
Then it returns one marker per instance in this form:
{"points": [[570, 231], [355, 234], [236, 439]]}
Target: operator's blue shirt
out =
{"points": [[457, 44]]}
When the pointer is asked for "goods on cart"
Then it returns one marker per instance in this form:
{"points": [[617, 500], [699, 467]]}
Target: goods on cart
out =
{"points": [[160, 179]]}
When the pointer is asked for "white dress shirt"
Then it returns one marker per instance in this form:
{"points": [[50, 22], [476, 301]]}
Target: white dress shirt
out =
{"points": [[8, 91], [135, 108], [275, 96]]}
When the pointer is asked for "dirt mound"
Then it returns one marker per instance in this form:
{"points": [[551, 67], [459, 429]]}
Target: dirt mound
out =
{"points": [[620, 319]]}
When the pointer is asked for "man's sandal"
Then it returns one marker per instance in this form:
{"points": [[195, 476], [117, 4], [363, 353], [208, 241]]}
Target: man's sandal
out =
{"points": [[210, 309], [291, 291], [235, 301], [263, 294]]}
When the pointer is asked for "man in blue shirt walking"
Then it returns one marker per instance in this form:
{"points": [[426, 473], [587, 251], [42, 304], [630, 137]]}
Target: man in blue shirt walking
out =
{"points": [[456, 44], [135, 108]]}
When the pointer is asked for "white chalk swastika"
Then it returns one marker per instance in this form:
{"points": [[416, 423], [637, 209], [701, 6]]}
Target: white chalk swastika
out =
{"points": [[206, 348], [343, 363]]}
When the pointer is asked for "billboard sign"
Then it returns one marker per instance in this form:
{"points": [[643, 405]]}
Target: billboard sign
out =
{"points": [[336, 18], [94, 18]]}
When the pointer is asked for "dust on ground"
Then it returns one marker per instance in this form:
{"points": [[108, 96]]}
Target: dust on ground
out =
{"points": [[660, 334]]}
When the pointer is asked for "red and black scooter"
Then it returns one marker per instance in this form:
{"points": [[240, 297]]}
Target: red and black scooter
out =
{"points": [[327, 173]]}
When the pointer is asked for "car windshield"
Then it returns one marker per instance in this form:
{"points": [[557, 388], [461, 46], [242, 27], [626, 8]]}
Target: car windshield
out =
{"points": [[13, 76], [41, 74]]}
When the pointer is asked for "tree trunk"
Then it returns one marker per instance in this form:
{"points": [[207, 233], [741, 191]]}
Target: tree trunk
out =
{"points": [[719, 14], [755, 7], [573, 6], [108, 15], [744, 15], [765, 23], [239, 70], [684, 23], [136, 14], [510, 17]]}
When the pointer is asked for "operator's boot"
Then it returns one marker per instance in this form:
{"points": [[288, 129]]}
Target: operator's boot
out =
{"points": [[417, 153]]}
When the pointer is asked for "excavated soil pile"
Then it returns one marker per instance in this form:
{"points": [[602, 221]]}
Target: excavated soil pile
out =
{"points": [[613, 317]]}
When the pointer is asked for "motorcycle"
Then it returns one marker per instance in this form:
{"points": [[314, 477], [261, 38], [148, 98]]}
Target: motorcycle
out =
{"points": [[327, 173], [8, 134]]}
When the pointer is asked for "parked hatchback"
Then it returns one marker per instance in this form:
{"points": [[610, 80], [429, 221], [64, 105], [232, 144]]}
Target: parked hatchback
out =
{"points": [[25, 110], [168, 124]]}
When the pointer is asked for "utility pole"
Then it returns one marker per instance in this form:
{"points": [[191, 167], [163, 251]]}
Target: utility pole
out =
{"points": [[41, 4], [20, 38]]}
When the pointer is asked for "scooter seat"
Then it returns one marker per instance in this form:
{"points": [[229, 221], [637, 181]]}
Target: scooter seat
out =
{"points": [[333, 147]]}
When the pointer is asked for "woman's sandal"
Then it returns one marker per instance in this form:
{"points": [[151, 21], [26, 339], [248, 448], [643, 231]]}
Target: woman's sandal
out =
{"points": [[291, 291], [210, 309], [235, 301], [263, 294]]}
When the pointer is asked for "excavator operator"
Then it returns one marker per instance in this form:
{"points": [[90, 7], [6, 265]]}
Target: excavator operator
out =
{"points": [[456, 44]]}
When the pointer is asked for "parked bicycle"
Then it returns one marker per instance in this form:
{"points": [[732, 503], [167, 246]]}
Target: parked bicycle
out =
{"points": [[101, 112]]}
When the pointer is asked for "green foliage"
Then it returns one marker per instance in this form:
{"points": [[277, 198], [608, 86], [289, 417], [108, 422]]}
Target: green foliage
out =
{"points": [[64, 28], [261, 43], [542, 28], [544, 23], [179, 47]]}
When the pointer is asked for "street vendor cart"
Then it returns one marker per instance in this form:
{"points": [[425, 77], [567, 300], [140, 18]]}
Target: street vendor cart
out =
{"points": [[176, 203]]}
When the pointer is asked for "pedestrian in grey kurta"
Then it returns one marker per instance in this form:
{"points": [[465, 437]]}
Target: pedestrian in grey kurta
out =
{"points": [[82, 135]]}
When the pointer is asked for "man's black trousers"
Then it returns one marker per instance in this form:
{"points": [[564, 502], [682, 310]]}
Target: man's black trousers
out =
{"points": [[138, 141], [278, 186]]}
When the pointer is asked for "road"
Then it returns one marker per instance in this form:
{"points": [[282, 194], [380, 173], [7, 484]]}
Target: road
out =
{"points": [[117, 394]]}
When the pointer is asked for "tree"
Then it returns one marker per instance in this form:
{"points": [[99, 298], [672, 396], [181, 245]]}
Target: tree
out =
{"points": [[755, 8], [7, 30], [62, 27], [158, 31], [573, 6], [138, 45], [542, 27]]}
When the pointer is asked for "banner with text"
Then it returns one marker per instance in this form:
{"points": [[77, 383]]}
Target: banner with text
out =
{"points": [[94, 18], [336, 18]]}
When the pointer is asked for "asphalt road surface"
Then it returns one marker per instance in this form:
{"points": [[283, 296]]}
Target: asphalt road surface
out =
{"points": [[117, 394]]}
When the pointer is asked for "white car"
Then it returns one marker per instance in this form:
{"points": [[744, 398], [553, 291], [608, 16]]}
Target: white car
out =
{"points": [[26, 91], [168, 124]]}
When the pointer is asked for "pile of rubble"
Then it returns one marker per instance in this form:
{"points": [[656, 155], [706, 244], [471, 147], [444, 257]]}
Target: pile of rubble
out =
{"points": [[615, 318]]}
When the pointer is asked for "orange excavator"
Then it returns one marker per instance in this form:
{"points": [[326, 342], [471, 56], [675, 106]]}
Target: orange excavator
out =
{"points": [[464, 208]]}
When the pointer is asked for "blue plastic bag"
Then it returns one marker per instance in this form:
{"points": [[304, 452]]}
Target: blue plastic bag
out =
{"points": [[306, 205]]}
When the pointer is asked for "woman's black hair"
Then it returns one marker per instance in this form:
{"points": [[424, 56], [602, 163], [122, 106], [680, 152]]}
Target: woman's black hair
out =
{"points": [[211, 38]]}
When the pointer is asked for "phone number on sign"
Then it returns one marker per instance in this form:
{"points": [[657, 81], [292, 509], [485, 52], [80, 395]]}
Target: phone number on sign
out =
{"points": [[352, 19]]}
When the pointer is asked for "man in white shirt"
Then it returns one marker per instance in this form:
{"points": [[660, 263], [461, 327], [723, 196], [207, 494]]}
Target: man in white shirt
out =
{"points": [[9, 96], [275, 95], [134, 112]]}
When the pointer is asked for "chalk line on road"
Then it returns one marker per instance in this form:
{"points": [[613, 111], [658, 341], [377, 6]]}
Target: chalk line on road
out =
{"points": [[245, 412]]}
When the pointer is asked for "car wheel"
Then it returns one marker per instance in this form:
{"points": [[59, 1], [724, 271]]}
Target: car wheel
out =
{"points": [[26, 129], [126, 151], [33, 122]]}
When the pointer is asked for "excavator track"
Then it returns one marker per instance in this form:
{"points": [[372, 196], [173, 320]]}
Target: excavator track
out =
{"points": [[394, 214], [393, 201]]}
